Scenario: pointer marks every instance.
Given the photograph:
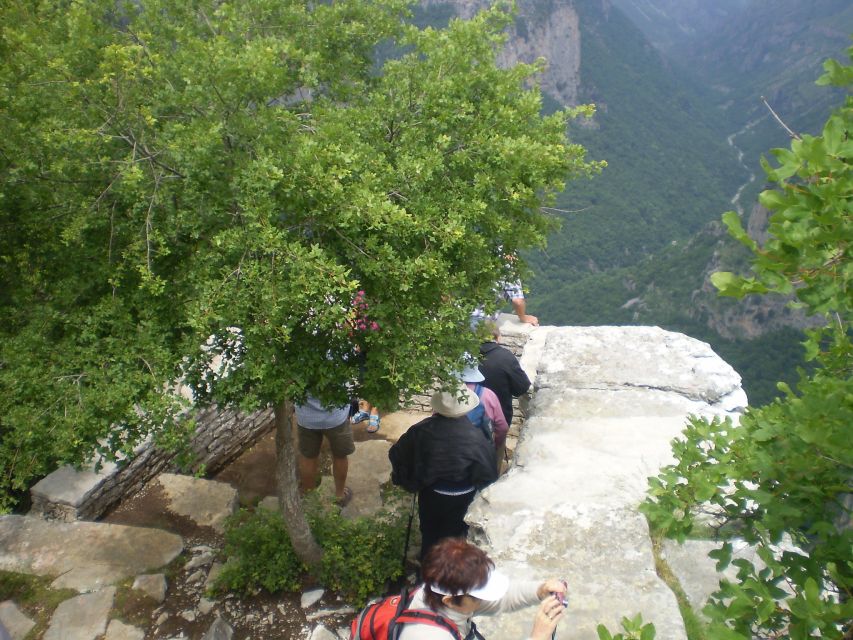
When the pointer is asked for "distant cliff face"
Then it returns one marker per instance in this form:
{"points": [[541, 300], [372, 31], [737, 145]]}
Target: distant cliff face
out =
{"points": [[549, 30]]}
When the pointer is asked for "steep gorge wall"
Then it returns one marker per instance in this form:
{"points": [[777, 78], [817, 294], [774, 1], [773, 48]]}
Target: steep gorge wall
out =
{"points": [[549, 30]]}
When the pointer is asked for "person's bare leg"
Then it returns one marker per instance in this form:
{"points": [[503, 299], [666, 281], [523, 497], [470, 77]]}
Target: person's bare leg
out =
{"points": [[308, 472], [340, 466]]}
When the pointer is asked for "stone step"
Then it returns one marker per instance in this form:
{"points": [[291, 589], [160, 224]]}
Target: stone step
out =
{"points": [[84, 556]]}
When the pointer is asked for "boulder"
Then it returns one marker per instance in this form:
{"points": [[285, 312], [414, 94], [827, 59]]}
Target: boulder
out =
{"points": [[206, 502], [85, 556], [16, 623], [82, 617]]}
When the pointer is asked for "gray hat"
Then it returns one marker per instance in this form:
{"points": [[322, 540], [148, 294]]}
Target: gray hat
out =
{"points": [[471, 374], [449, 404]]}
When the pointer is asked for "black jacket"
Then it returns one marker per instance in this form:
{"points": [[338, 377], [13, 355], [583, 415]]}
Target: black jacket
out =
{"points": [[441, 450], [503, 375]]}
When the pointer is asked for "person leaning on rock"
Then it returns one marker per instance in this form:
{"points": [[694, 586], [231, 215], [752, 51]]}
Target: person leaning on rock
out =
{"points": [[446, 460], [460, 581]]}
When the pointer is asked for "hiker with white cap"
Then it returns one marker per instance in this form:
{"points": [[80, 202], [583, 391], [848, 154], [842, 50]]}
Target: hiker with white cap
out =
{"points": [[445, 460], [460, 581], [490, 408]]}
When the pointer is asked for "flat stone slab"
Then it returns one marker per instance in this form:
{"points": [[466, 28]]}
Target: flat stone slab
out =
{"points": [[67, 485], [368, 468], [83, 617], [608, 401], [118, 630], [14, 620], [644, 357], [84, 556], [206, 502]]}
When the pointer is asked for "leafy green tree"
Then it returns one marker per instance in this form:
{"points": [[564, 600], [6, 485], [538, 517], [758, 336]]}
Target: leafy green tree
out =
{"points": [[198, 190], [782, 478]]}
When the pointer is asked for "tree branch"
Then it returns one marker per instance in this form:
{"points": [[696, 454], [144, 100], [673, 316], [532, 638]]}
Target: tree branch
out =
{"points": [[779, 120]]}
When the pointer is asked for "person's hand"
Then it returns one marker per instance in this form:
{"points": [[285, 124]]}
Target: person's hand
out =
{"points": [[548, 615], [551, 585]]}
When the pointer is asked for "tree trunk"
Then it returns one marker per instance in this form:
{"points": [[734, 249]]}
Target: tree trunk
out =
{"points": [[287, 483]]}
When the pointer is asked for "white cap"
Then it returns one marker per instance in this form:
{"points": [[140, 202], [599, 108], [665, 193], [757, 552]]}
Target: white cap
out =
{"points": [[494, 589]]}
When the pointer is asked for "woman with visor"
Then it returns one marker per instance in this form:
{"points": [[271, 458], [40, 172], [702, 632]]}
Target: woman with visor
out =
{"points": [[460, 581]]}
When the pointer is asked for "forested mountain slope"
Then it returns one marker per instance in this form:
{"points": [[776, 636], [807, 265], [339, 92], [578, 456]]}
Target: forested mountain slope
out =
{"points": [[639, 241]]}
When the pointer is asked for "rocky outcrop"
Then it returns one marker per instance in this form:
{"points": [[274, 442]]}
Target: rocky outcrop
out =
{"points": [[542, 30], [86, 556], [85, 494], [607, 403]]}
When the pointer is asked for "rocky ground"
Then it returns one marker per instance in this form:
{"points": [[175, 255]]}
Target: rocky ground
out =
{"points": [[175, 603]]}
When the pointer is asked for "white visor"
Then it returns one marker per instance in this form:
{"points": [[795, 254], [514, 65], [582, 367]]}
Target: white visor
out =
{"points": [[494, 589]]}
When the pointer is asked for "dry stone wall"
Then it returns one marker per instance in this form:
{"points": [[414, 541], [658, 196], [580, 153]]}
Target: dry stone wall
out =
{"points": [[85, 494]]}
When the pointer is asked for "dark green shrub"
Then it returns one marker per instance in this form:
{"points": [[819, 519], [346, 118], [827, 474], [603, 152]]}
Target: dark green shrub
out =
{"points": [[359, 556], [259, 554]]}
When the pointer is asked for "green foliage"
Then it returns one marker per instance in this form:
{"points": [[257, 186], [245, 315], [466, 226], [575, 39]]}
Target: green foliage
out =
{"points": [[360, 556], [172, 171], [781, 478], [633, 627], [259, 554]]}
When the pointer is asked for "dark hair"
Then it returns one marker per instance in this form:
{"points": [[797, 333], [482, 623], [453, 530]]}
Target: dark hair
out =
{"points": [[454, 565]]}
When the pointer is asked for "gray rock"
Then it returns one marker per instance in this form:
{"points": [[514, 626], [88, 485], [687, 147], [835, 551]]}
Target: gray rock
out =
{"points": [[67, 486], [117, 630], [189, 616], [205, 606], [219, 630], [85, 555], [82, 617], [270, 503], [201, 548], [607, 403], [198, 576], [698, 574], [16, 622], [369, 467], [322, 633], [152, 585], [310, 598], [161, 619], [206, 502], [201, 560], [325, 613], [215, 570]]}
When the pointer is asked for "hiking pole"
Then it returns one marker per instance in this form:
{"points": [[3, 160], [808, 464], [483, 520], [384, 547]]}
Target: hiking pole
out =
{"points": [[409, 531]]}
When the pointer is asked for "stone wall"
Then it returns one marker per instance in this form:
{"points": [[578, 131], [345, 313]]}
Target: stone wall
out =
{"points": [[85, 494]]}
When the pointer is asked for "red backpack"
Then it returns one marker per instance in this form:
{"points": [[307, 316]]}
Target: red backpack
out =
{"points": [[385, 619]]}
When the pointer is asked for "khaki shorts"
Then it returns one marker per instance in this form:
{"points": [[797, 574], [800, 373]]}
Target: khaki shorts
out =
{"points": [[340, 440]]}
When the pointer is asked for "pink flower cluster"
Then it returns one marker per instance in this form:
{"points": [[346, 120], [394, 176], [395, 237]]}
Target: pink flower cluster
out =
{"points": [[360, 320]]}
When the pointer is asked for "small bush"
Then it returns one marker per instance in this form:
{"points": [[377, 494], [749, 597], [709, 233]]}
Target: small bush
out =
{"points": [[259, 554], [359, 556]]}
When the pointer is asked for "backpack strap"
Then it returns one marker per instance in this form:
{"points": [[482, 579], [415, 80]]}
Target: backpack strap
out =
{"points": [[423, 616]]}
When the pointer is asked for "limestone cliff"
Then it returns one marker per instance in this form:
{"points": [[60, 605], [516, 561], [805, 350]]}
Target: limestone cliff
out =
{"points": [[607, 402], [543, 30]]}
